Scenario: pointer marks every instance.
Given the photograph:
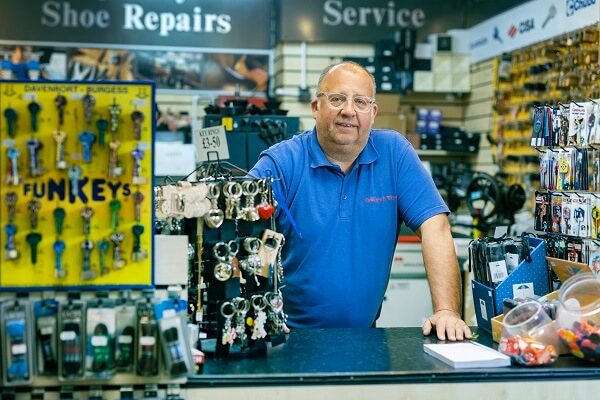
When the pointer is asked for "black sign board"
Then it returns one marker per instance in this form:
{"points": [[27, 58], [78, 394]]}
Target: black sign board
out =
{"points": [[243, 24]]}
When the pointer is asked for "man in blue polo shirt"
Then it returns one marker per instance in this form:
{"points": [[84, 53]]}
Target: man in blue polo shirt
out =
{"points": [[345, 190]]}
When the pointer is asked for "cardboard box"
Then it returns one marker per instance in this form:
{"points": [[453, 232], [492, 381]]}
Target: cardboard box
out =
{"points": [[423, 81], [526, 278]]}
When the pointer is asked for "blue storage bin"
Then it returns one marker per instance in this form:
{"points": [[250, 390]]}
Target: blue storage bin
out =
{"points": [[527, 277]]}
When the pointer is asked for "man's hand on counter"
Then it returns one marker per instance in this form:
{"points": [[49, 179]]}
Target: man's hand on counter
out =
{"points": [[447, 325]]}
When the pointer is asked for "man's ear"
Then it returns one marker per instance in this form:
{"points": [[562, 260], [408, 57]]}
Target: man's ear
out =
{"points": [[314, 105]]}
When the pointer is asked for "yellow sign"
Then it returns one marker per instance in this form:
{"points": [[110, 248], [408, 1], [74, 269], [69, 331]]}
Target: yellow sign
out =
{"points": [[76, 160]]}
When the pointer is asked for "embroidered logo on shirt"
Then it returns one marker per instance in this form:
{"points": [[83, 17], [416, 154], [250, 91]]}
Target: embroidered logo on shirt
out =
{"points": [[380, 199]]}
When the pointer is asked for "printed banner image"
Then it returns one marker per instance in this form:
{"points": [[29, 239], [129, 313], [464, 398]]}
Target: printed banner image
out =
{"points": [[225, 71], [168, 69], [77, 167]]}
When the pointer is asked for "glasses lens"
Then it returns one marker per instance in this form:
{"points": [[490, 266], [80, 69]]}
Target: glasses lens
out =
{"points": [[362, 103], [337, 100]]}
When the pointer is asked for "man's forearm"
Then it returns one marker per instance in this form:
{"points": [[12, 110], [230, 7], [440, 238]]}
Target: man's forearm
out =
{"points": [[441, 264]]}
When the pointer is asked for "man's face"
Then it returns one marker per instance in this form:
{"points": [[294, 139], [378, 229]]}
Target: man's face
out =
{"points": [[344, 130]]}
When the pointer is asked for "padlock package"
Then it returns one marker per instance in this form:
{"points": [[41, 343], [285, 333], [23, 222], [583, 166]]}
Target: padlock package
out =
{"points": [[16, 342], [147, 354], [71, 339], [125, 335], [100, 330], [46, 336], [175, 342]]}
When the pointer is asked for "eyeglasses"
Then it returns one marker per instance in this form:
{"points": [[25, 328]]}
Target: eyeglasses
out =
{"points": [[337, 101]]}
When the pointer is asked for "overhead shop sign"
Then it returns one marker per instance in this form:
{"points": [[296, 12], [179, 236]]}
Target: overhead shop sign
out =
{"points": [[530, 23], [223, 24], [357, 21]]}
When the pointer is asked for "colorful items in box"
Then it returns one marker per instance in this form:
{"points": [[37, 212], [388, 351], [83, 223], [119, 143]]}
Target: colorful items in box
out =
{"points": [[528, 351], [582, 340]]}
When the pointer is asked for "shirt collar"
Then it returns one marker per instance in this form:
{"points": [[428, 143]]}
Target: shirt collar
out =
{"points": [[318, 158]]}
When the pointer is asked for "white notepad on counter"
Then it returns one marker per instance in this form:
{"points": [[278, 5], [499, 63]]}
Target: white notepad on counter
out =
{"points": [[467, 355]]}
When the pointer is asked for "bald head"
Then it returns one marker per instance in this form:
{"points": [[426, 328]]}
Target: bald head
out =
{"points": [[347, 65]]}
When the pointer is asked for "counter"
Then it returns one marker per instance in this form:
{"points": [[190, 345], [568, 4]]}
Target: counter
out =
{"points": [[376, 363]]}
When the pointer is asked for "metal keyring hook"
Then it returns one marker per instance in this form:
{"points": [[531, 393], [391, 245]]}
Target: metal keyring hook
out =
{"points": [[250, 188], [228, 306], [258, 302], [242, 305], [232, 189], [252, 245], [233, 248], [217, 251]]}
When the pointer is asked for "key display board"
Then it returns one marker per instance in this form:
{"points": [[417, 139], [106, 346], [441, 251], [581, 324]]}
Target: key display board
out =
{"points": [[77, 188]]}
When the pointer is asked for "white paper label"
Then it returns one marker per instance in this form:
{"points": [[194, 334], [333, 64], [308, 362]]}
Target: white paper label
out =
{"points": [[30, 96], [98, 341], [67, 335], [211, 144], [512, 261], [147, 340], [125, 339], [483, 309], [523, 290], [47, 330], [498, 271], [17, 349]]}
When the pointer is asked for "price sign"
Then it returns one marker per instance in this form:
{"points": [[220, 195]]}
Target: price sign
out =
{"points": [[211, 144]]}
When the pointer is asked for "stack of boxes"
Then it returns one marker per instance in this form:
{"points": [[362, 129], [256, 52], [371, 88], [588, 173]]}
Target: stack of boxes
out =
{"points": [[428, 129], [431, 135], [443, 64], [393, 63]]}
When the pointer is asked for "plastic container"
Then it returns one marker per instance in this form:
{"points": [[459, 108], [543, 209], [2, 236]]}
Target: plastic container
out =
{"points": [[578, 316], [529, 336]]}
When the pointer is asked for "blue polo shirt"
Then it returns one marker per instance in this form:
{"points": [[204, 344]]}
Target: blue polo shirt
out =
{"points": [[336, 275]]}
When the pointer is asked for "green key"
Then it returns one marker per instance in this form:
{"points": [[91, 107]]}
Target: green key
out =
{"points": [[115, 206], [102, 126], [34, 109], [33, 239], [59, 216], [11, 116], [138, 254], [103, 248]]}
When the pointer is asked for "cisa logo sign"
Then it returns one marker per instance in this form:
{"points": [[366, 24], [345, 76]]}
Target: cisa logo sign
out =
{"points": [[524, 26], [575, 5]]}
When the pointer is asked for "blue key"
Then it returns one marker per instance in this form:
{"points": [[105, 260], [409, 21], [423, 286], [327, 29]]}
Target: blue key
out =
{"points": [[59, 248], [87, 138]]}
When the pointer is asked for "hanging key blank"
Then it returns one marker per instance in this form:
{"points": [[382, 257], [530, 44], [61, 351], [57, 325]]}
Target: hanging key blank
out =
{"points": [[34, 109], [87, 138], [33, 239], [11, 117]]}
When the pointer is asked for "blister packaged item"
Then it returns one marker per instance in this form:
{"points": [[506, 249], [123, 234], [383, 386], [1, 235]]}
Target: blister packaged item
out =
{"points": [[71, 339], [17, 357], [496, 262], [100, 330], [125, 335], [147, 338], [46, 336], [175, 342]]}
